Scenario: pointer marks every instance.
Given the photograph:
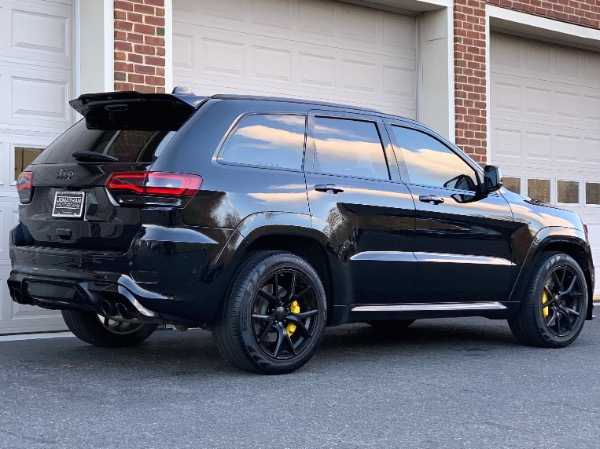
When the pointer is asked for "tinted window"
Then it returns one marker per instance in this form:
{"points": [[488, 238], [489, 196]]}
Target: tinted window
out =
{"points": [[429, 162], [268, 141], [128, 145], [349, 148]]}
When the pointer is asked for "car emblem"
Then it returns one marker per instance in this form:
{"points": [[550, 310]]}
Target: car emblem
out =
{"points": [[65, 174]]}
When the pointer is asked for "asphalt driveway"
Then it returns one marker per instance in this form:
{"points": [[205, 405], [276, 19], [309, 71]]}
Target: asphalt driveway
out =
{"points": [[453, 383]]}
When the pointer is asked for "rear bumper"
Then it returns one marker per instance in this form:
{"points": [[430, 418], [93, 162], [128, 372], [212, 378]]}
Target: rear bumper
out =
{"points": [[168, 275]]}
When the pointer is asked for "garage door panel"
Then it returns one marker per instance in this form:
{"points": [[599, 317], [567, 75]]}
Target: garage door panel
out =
{"points": [[374, 66], [36, 98], [36, 33]]}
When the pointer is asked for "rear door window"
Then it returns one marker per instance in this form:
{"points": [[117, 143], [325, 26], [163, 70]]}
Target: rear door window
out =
{"points": [[348, 147], [267, 140]]}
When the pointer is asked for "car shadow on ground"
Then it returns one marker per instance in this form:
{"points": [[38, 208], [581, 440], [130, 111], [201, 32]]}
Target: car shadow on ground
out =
{"points": [[169, 352]]}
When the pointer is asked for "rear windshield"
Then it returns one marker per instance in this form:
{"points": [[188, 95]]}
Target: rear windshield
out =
{"points": [[128, 145]]}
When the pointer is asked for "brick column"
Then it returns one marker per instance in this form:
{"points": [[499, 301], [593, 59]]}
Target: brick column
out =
{"points": [[471, 59], [140, 45]]}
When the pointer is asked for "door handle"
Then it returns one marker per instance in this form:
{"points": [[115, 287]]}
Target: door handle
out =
{"points": [[328, 188], [432, 199]]}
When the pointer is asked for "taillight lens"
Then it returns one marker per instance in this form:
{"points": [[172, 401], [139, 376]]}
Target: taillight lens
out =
{"points": [[25, 186], [156, 188]]}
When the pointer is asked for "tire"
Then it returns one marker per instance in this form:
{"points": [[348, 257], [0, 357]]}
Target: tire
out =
{"points": [[553, 310], [391, 325], [273, 318], [89, 327]]}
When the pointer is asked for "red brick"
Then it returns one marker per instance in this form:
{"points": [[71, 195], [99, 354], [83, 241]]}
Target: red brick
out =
{"points": [[124, 86], [144, 29], [120, 56], [134, 17], [124, 5], [135, 78], [123, 25], [135, 38], [123, 66], [153, 60], [120, 15], [160, 3], [155, 80], [153, 40], [144, 69], [124, 46], [144, 9], [132, 57], [158, 21], [145, 49], [120, 76]]}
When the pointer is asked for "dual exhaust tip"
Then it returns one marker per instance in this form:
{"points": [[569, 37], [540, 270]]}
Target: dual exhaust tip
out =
{"points": [[119, 310]]}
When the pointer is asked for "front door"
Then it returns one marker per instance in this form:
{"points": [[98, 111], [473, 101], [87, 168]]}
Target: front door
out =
{"points": [[463, 239]]}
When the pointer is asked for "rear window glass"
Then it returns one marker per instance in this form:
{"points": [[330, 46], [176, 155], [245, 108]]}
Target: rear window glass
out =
{"points": [[128, 145], [269, 140]]}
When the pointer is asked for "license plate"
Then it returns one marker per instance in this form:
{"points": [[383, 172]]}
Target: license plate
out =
{"points": [[68, 204]]}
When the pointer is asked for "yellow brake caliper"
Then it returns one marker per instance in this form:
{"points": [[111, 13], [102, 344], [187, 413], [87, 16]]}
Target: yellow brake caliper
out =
{"points": [[291, 327], [545, 299]]}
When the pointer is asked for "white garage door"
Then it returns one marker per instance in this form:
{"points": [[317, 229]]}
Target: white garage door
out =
{"points": [[35, 85], [323, 50], [545, 120]]}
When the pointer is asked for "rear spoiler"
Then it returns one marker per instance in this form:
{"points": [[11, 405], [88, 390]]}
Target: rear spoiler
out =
{"points": [[135, 110]]}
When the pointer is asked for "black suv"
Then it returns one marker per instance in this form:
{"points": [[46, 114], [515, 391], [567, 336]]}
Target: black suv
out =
{"points": [[267, 219]]}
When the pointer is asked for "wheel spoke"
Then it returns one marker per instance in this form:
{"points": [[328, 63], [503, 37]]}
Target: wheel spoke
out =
{"points": [[272, 299], [302, 315], [569, 311], [569, 325], [290, 293], [261, 317], [280, 336], [276, 289], [562, 281], [569, 290], [299, 326], [557, 280], [552, 319], [265, 332], [290, 344], [299, 295]]}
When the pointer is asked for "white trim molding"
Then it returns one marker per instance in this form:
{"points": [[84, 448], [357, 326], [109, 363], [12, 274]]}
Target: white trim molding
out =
{"points": [[95, 55]]}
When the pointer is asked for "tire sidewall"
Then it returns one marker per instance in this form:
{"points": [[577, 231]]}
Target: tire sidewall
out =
{"points": [[554, 261], [249, 283]]}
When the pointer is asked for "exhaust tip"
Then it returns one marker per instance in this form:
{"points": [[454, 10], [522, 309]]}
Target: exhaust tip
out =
{"points": [[123, 311], [108, 308]]}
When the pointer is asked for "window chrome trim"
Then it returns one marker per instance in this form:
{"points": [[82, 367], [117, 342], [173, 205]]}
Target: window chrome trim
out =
{"points": [[422, 307]]}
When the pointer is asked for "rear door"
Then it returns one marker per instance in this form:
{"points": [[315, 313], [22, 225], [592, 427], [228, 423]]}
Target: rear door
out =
{"points": [[357, 199], [463, 240]]}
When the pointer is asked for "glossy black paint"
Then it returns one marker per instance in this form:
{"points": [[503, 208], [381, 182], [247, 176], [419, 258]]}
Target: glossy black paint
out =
{"points": [[373, 242]]}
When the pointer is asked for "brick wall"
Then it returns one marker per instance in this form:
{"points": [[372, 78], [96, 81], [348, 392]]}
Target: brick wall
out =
{"points": [[470, 58], [140, 45]]}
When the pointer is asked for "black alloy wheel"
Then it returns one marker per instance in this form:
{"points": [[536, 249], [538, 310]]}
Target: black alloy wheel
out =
{"points": [[274, 318], [553, 311]]}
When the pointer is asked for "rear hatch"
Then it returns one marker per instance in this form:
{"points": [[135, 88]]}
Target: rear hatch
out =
{"points": [[66, 193]]}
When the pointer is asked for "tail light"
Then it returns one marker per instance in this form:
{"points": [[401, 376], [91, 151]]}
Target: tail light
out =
{"points": [[25, 187], [152, 188]]}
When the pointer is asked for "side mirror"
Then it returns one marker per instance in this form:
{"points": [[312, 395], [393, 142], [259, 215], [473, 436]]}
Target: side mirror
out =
{"points": [[492, 178]]}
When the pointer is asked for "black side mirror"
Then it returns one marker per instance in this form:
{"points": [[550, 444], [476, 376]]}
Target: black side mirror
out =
{"points": [[492, 178]]}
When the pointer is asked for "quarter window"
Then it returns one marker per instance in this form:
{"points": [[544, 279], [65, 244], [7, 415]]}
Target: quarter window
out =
{"points": [[431, 163], [274, 141], [349, 148]]}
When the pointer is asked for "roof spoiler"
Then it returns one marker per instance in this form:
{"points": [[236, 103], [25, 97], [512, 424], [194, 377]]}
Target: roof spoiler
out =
{"points": [[135, 110]]}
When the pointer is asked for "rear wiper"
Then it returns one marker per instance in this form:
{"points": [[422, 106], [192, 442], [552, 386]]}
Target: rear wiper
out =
{"points": [[92, 156]]}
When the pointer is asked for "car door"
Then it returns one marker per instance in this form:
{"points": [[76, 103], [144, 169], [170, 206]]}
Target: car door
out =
{"points": [[463, 240], [360, 204]]}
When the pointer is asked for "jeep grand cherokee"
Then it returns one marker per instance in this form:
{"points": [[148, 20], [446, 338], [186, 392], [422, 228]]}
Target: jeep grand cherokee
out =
{"points": [[268, 219]]}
